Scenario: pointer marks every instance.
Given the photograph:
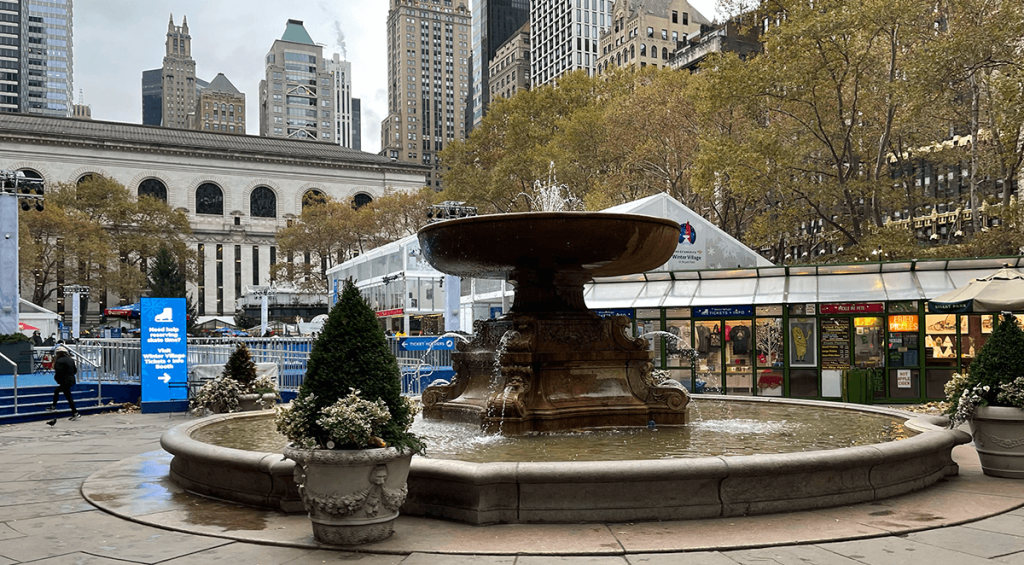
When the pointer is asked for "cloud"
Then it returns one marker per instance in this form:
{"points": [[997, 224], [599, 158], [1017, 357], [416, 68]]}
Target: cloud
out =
{"points": [[339, 41]]}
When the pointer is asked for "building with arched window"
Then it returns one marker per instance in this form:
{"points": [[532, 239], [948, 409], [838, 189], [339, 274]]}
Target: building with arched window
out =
{"points": [[655, 28], [236, 190]]}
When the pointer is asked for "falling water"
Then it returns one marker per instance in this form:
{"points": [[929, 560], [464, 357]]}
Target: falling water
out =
{"points": [[496, 367], [550, 196]]}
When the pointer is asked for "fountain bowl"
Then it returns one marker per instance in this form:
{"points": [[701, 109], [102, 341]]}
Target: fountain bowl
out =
{"points": [[603, 491], [594, 244]]}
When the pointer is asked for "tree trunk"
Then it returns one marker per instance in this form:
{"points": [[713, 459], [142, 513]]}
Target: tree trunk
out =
{"points": [[975, 111]]}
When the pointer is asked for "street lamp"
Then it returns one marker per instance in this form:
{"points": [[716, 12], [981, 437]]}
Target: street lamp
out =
{"points": [[449, 210], [15, 188], [77, 292], [264, 292]]}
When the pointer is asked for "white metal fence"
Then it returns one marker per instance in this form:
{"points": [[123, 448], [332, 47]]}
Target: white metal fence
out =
{"points": [[119, 360]]}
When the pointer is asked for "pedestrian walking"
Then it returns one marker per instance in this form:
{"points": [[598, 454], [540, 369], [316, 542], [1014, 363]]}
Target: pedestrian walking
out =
{"points": [[37, 340], [64, 371]]}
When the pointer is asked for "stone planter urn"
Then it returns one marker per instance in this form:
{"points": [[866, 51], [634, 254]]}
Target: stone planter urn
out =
{"points": [[253, 402], [999, 439], [352, 496]]}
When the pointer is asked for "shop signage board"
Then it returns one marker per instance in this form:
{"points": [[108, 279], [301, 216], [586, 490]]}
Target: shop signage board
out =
{"points": [[388, 313], [853, 308], [723, 311], [903, 378], [432, 343], [835, 343], [802, 342], [164, 355], [903, 324], [612, 312]]}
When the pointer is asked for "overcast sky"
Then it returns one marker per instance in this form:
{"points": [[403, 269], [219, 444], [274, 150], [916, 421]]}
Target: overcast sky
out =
{"points": [[115, 40]]}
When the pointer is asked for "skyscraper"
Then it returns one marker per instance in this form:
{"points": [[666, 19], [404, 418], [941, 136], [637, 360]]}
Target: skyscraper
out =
{"points": [[297, 97], [36, 57], [428, 80], [152, 97], [563, 36], [357, 125], [494, 21], [341, 75], [179, 76], [220, 107]]}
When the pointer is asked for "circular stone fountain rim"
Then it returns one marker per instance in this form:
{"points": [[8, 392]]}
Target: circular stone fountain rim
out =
{"points": [[527, 492]]}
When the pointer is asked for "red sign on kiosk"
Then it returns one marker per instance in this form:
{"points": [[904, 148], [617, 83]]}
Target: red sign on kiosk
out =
{"points": [[387, 313], [853, 308]]}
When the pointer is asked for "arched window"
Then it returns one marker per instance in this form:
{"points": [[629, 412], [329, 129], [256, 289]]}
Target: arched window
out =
{"points": [[84, 178], [360, 200], [313, 197], [618, 59], [632, 51], [664, 53], [262, 203], [153, 188], [643, 49], [209, 199], [32, 180]]}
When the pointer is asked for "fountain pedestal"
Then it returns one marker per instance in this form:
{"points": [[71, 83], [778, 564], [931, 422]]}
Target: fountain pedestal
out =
{"points": [[555, 374], [550, 364]]}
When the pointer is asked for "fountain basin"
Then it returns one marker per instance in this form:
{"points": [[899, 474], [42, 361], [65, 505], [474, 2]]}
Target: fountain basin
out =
{"points": [[608, 491], [597, 244]]}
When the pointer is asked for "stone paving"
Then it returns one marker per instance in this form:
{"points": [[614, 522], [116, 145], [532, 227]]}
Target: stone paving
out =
{"points": [[45, 519]]}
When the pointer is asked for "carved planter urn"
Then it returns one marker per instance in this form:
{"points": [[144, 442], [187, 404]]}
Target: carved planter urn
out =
{"points": [[999, 439], [256, 401], [352, 496]]}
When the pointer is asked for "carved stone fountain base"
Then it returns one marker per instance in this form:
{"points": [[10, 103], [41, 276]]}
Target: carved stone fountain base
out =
{"points": [[558, 372]]}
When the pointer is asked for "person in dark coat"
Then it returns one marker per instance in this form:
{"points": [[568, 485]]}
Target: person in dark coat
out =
{"points": [[37, 340], [64, 371]]}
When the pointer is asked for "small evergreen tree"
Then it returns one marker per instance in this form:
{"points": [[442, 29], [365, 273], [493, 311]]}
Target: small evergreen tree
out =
{"points": [[1001, 359], [245, 321], [165, 277], [351, 354], [166, 280], [241, 367]]}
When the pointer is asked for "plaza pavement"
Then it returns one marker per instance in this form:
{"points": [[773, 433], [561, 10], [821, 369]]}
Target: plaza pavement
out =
{"points": [[115, 460]]}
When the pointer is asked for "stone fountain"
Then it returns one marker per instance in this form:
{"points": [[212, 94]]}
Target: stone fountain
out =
{"points": [[551, 364]]}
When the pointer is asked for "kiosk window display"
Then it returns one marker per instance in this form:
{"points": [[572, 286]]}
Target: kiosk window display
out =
{"points": [[739, 351], [802, 337], [940, 339], [708, 342], [768, 356]]}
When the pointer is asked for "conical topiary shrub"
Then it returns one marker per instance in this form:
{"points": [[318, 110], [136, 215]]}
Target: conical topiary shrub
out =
{"points": [[995, 377], [1001, 359], [241, 367], [350, 355]]}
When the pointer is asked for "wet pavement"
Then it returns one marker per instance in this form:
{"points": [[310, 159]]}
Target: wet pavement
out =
{"points": [[95, 492]]}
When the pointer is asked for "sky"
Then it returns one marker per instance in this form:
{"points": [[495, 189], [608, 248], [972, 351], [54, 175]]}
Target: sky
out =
{"points": [[115, 40]]}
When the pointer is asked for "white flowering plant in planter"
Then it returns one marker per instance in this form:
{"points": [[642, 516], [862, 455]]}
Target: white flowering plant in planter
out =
{"points": [[350, 423], [220, 394], [995, 377], [239, 378]]}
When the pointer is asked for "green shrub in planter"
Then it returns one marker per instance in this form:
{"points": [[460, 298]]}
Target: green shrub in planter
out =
{"points": [[241, 368], [351, 374], [238, 378], [995, 378], [13, 338]]}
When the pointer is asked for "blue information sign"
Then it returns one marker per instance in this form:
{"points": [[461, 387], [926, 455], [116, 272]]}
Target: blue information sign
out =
{"points": [[164, 354], [722, 311], [612, 312], [426, 343]]}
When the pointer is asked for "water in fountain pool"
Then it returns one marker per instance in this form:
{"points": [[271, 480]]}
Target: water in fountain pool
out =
{"points": [[724, 428]]}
